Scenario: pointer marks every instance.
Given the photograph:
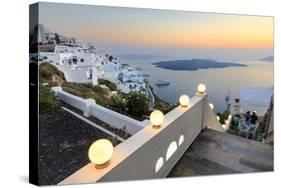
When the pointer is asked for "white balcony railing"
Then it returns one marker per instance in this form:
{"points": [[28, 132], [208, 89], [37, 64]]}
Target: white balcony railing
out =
{"points": [[152, 153]]}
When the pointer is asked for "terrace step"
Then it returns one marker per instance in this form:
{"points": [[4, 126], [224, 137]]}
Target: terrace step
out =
{"points": [[215, 152]]}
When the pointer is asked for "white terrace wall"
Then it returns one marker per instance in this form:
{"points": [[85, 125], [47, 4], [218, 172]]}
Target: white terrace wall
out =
{"points": [[210, 118], [90, 108], [115, 119], [150, 153], [70, 99]]}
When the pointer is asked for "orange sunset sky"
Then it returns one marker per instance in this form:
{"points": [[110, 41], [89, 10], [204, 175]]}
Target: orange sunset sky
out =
{"points": [[157, 28]]}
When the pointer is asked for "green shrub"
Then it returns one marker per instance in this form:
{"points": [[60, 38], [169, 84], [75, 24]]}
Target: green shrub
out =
{"points": [[223, 116], [137, 103], [118, 104], [47, 101], [86, 91], [112, 86]]}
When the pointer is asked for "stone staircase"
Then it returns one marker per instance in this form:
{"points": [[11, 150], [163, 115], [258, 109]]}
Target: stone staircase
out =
{"points": [[215, 152]]}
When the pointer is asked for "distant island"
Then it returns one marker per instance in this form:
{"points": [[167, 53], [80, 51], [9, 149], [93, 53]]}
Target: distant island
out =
{"points": [[195, 64], [268, 58]]}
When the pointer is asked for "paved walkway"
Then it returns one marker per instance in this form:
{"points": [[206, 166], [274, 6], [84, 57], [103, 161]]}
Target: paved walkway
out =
{"points": [[214, 152], [150, 95]]}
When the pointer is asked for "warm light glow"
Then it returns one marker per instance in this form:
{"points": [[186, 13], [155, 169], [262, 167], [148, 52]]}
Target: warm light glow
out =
{"points": [[201, 88], [171, 150], [181, 139], [184, 100], [226, 122], [100, 153], [218, 117], [156, 118], [211, 106], [159, 164], [229, 117]]}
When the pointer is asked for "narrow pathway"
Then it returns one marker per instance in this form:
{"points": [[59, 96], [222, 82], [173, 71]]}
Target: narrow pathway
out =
{"points": [[93, 124], [150, 95]]}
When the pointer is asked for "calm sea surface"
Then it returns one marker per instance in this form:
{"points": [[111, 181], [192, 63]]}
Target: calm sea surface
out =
{"points": [[218, 81]]}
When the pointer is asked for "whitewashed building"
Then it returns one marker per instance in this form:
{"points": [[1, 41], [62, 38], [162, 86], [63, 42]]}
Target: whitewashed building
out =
{"points": [[84, 64]]}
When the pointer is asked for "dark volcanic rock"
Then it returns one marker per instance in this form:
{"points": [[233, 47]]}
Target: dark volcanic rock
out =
{"points": [[64, 141]]}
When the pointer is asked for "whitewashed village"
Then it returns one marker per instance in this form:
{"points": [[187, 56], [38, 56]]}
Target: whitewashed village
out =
{"points": [[83, 63], [96, 88]]}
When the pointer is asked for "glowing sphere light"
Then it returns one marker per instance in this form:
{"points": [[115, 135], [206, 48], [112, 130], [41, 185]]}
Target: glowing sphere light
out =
{"points": [[218, 117], [211, 106], [100, 153], [156, 118], [184, 100], [201, 89]]}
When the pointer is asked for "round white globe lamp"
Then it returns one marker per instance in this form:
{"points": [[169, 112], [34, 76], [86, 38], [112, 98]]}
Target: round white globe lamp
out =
{"points": [[156, 118], [201, 89], [100, 153], [184, 100]]}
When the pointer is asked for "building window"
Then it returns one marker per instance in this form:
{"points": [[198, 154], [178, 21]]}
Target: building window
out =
{"points": [[81, 60], [171, 150], [74, 60]]}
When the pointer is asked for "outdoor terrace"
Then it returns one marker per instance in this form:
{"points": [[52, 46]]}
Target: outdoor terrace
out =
{"points": [[174, 149], [215, 152]]}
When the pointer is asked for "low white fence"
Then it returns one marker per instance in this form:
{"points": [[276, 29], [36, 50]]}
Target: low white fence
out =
{"points": [[72, 100], [90, 108], [117, 120], [152, 153]]}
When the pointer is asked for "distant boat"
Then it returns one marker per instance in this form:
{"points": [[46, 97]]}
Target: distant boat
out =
{"points": [[162, 83], [139, 68], [145, 75]]}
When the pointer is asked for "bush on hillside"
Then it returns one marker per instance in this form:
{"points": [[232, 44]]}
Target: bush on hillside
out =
{"points": [[46, 71], [118, 104], [137, 103], [86, 91], [47, 101], [112, 86]]}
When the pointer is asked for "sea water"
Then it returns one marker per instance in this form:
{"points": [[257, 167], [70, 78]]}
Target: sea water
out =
{"points": [[219, 81]]}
